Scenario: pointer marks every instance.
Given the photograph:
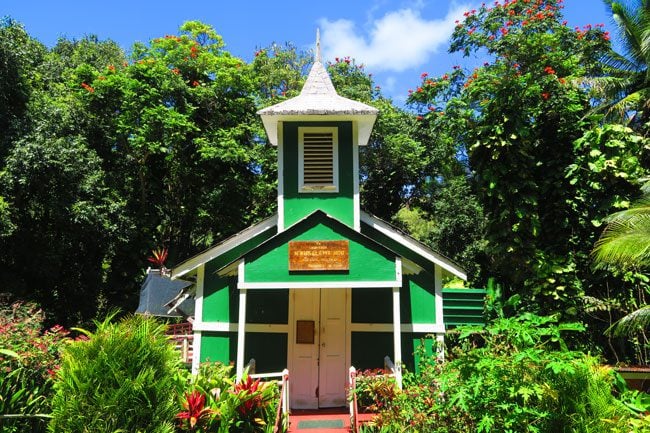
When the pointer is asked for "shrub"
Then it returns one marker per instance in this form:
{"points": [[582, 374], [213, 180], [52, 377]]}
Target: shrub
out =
{"points": [[29, 356], [125, 377], [516, 375]]}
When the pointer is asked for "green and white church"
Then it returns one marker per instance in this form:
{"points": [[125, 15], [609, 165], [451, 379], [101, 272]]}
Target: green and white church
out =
{"points": [[321, 285]]}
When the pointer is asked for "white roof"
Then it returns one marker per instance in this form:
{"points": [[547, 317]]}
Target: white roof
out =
{"points": [[318, 100], [318, 97]]}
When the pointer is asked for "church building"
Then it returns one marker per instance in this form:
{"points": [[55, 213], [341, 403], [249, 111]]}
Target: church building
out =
{"points": [[321, 285]]}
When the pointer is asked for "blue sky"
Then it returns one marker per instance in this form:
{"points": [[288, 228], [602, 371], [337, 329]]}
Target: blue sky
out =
{"points": [[396, 40]]}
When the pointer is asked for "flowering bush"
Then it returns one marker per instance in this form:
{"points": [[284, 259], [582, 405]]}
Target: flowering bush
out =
{"points": [[29, 358]]}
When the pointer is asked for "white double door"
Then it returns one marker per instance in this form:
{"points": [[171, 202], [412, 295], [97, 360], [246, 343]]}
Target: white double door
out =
{"points": [[318, 370]]}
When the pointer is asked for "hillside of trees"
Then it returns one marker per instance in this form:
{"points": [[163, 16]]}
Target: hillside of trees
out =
{"points": [[511, 169]]}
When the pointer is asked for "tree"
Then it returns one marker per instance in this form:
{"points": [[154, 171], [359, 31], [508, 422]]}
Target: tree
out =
{"points": [[19, 57], [65, 221], [517, 118], [625, 85]]}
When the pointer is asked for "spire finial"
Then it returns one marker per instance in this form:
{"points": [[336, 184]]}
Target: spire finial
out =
{"points": [[318, 57]]}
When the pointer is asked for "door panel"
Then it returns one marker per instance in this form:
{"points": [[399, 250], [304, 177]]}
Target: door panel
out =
{"points": [[332, 371], [303, 367]]}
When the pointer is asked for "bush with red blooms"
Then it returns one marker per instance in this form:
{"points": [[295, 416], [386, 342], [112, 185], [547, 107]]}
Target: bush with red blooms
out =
{"points": [[29, 359]]}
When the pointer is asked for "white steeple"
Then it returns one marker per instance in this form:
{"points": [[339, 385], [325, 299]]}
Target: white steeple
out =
{"points": [[318, 101]]}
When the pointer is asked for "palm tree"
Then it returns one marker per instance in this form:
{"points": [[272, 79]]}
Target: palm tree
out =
{"points": [[625, 86], [625, 243]]}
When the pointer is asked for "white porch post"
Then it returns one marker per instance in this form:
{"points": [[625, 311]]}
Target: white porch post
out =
{"points": [[440, 337], [397, 337], [241, 329], [198, 319], [397, 324]]}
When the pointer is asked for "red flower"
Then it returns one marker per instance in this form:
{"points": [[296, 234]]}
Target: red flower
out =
{"points": [[176, 71], [195, 83], [546, 95], [549, 70], [420, 118]]}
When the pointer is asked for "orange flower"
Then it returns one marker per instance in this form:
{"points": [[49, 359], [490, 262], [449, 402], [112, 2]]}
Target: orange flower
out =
{"points": [[90, 89]]}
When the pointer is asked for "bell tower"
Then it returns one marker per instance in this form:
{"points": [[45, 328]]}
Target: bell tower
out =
{"points": [[318, 134]]}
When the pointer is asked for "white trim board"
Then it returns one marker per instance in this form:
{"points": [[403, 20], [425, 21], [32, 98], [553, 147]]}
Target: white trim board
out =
{"points": [[233, 327], [227, 245], [418, 328], [321, 285]]}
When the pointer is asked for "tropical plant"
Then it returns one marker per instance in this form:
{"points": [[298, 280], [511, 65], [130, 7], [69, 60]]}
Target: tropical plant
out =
{"points": [[625, 243], [125, 377], [625, 84], [195, 415]]}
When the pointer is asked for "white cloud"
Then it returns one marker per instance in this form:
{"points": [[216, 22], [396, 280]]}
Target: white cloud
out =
{"points": [[389, 84], [399, 40]]}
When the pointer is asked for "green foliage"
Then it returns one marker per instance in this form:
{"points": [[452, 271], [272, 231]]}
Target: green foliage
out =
{"points": [[513, 376], [124, 377], [29, 357], [624, 88], [59, 186], [20, 55]]}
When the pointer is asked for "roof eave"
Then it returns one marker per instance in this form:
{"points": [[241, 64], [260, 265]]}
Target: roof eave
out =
{"points": [[364, 123], [193, 263], [415, 246]]}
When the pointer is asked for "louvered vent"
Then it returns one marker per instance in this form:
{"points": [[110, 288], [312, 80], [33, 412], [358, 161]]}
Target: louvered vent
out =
{"points": [[318, 159]]}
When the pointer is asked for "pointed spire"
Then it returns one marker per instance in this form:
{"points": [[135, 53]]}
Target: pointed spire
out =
{"points": [[318, 56]]}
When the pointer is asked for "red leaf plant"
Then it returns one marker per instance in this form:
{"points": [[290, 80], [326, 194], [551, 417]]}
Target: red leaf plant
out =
{"points": [[251, 396], [158, 257], [195, 414]]}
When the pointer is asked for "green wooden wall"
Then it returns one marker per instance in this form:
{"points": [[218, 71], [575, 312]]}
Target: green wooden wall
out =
{"points": [[368, 261], [298, 205]]}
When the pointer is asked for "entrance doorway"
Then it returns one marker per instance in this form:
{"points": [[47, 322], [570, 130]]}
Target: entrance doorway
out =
{"points": [[318, 348]]}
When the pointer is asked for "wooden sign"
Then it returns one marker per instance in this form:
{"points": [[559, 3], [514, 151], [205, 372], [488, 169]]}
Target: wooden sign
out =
{"points": [[319, 256]]}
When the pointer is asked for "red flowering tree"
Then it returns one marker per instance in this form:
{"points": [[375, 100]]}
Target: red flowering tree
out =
{"points": [[517, 118]]}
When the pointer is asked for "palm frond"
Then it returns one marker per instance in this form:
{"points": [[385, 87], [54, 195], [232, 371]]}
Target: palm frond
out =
{"points": [[632, 323]]}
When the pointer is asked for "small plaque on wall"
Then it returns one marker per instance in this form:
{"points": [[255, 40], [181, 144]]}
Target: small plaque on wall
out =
{"points": [[319, 256], [305, 331]]}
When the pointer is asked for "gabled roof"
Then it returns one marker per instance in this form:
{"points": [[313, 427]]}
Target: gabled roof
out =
{"points": [[268, 227], [317, 215], [156, 292]]}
